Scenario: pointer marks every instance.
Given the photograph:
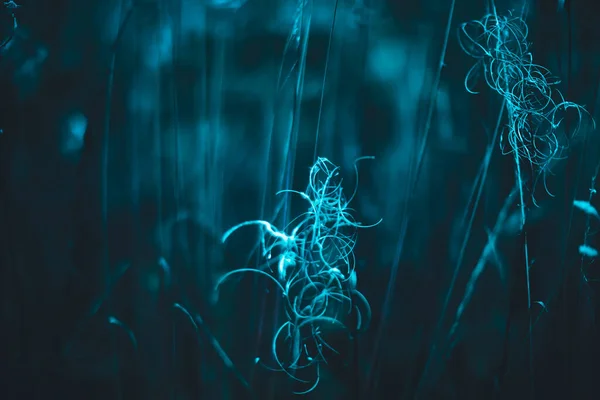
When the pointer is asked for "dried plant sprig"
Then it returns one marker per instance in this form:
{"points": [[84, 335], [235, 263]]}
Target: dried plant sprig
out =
{"points": [[312, 262], [536, 109]]}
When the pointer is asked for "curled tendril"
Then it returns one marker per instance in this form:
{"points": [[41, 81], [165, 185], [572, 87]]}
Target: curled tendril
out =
{"points": [[312, 262], [10, 5], [536, 109]]}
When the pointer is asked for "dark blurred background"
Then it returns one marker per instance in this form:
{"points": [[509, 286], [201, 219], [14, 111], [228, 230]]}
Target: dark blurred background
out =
{"points": [[135, 132]]}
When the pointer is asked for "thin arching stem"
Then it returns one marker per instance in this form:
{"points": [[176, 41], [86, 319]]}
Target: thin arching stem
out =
{"points": [[412, 182]]}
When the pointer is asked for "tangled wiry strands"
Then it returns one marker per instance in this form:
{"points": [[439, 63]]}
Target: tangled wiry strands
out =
{"points": [[535, 108], [312, 262]]}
